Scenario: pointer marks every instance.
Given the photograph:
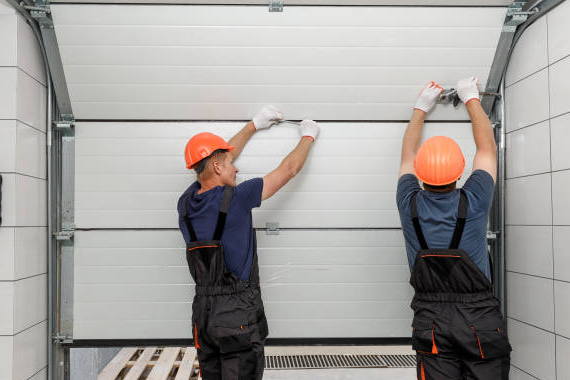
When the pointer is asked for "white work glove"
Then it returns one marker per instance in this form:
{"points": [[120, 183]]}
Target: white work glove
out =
{"points": [[266, 117], [310, 129], [428, 97], [467, 89]]}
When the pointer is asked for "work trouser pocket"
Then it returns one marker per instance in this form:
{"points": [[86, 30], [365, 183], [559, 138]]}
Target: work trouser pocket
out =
{"points": [[232, 331], [423, 336], [491, 338]]}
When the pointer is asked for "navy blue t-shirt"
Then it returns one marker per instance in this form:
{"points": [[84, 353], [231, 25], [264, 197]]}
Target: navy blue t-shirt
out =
{"points": [[438, 216], [237, 239]]}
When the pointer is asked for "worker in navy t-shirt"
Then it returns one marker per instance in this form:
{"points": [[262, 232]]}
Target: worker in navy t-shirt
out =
{"points": [[458, 330], [228, 319]]}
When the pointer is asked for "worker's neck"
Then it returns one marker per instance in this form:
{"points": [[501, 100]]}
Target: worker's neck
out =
{"points": [[209, 183]]}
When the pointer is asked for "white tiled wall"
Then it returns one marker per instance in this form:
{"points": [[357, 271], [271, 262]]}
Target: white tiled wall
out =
{"points": [[23, 242], [537, 199]]}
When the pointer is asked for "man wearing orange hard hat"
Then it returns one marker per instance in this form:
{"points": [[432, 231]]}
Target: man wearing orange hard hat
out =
{"points": [[228, 319], [458, 330]]}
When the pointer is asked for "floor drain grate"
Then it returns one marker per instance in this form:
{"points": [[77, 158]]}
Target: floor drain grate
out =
{"points": [[338, 361]]}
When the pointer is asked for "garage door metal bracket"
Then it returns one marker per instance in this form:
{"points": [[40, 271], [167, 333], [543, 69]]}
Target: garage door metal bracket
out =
{"points": [[275, 5], [272, 228]]}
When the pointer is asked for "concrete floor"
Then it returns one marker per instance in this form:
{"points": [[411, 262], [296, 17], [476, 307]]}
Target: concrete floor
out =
{"points": [[341, 374]]}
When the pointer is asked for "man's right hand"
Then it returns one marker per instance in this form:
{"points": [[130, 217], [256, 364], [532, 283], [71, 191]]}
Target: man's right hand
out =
{"points": [[428, 97], [309, 129], [467, 89], [267, 116]]}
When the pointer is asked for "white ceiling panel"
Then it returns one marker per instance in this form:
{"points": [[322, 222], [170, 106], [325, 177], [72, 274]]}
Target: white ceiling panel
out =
{"points": [[192, 62]]}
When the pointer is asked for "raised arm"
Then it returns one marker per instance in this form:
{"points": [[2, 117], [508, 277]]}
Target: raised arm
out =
{"points": [[413, 135], [263, 120], [486, 155], [293, 163]]}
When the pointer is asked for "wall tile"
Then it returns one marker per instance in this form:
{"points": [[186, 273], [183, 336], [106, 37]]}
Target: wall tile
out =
{"points": [[562, 300], [8, 200], [558, 42], [531, 300], [559, 87], [529, 250], [526, 102], [8, 84], [31, 98], [528, 200], [528, 150], [560, 136], [6, 346], [8, 44], [561, 248], [562, 355], [29, 55], [530, 53], [7, 247], [42, 375], [517, 374], [533, 350], [7, 302], [31, 201], [30, 302], [30, 351], [560, 198], [7, 146], [31, 151], [30, 251]]}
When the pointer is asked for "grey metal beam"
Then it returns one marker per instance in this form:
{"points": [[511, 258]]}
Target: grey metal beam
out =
{"points": [[42, 14]]}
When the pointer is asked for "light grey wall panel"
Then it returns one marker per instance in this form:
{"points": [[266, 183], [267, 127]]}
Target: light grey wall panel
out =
{"points": [[30, 151], [562, 299], [528, 150], [561, 242], [8, 84], [29, 55], [8, 43], [529, 250], [560, 135], [30, 302], [528, 200], [529, 54], [528, 101], [233, 59], [6, 253], [30, 351], [558, 42], [131, 174], [8, 146], [533, 350], [560, 198], [531, 300], [559, 87], [562, 355], [313, 282]]}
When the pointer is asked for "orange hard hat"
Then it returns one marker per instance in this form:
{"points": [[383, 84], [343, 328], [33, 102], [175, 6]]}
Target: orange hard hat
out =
{"points": [[439, 161], [203, 145]]}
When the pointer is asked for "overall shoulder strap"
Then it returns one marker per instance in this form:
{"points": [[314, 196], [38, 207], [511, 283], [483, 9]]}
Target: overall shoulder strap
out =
{"points": [[416, 221], [184, 214], [461, 216], [224, 207]]}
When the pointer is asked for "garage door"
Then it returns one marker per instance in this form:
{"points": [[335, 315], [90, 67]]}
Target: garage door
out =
{"points": [[143, 79]]}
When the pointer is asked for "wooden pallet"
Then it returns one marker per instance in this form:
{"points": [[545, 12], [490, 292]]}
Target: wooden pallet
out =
{"points": [[152, 363]]}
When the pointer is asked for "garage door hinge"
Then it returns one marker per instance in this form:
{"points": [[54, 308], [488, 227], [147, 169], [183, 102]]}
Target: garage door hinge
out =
{"points": [[493, 235], [64, 235], [62, 339], [40, 12], [275, 5], [516, 15], [272, 228]]}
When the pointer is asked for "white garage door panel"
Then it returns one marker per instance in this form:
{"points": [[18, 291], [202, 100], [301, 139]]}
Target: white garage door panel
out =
{"points": [[309, 278], [130, 175], [224, 62]]}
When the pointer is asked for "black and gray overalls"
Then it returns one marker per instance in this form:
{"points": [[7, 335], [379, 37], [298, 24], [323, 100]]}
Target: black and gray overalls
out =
{"points": [[228, 319], [458, 329]]}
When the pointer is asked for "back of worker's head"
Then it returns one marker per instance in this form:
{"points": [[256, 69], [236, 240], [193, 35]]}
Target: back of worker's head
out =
{"points": [[205, 150], [439, 163]]}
